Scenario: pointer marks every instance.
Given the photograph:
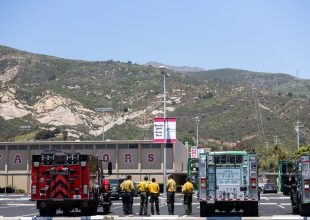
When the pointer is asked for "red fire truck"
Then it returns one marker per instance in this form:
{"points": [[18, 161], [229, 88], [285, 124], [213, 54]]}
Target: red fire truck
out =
{"points": [[67, 182]]}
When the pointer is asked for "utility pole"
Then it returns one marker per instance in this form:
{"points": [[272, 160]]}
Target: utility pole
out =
{"points": [[297, 126], [103, 110], [197, 133], [163, 72], [275, 139]]}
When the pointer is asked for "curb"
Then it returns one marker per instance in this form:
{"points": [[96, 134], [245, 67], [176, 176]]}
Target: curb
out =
{"points": [[161, 217]]}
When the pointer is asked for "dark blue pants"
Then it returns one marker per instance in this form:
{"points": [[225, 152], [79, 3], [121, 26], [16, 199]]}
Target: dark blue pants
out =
{"points": [[128, 202]]}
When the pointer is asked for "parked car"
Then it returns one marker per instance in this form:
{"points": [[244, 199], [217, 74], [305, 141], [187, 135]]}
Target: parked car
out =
{"points": [[115, 187], [270, 188]]}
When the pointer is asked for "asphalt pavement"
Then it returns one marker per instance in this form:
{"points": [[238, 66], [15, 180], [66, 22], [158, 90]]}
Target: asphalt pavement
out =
{"points": [[271, 206]]}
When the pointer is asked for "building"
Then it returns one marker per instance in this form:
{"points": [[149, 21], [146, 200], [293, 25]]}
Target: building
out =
{"points": [[135, 157]]}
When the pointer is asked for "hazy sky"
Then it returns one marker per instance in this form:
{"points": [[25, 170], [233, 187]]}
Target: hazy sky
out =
{"points": [[263, 35]]}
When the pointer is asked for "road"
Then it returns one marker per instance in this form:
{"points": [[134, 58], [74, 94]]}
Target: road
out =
{"points": [[21, 206]]}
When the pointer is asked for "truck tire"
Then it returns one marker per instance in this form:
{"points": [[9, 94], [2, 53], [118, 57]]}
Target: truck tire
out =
{"points": [[91, 209], [294, 201], [106, 209], [47, 211], [206, 209], [304, 209], [251, 209]]}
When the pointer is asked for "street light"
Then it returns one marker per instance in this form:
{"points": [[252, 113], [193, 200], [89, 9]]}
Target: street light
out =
{"points": [[163, 72], [197, 133], [103, 110]]}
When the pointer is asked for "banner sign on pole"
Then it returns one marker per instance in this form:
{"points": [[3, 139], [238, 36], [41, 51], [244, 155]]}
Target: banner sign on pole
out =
{"points": [[170, 130], [194, 152]]}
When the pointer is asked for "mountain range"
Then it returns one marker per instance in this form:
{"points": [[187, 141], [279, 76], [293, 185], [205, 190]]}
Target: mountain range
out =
{"points": [[237, 109]]}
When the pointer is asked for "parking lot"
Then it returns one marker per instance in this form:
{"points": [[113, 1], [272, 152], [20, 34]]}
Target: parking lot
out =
{"points": [[271, 204]]}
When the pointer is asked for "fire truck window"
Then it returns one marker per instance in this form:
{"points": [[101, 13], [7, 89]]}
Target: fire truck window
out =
{"points": [[238, 159], [231, 159], [223, 159], [60, 159]]}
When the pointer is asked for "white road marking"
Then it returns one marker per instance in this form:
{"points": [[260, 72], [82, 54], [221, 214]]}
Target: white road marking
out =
{"points": [[116, 207], [5, 207], [33, 214], [14, 199], [268, 203], [285, 204], [20, 204], [281, 206], [184, 216], [288, 217], [280, 197], [198, 207]]}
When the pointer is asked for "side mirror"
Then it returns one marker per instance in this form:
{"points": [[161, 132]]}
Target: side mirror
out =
{"points": [[110, 168]]}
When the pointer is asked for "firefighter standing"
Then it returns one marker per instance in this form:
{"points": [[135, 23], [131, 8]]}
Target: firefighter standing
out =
{"points": [[105, 185], [144, 195], [171, 188], [128, 188], [187, 190], [154, 193]]}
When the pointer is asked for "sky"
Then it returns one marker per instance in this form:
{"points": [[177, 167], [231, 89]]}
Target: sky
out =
{"points": [[257, 35]]}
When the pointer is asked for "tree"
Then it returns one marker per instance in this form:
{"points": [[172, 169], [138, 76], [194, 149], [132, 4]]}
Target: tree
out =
{"points": [[269, 158], [304, 150], [44, 135]]}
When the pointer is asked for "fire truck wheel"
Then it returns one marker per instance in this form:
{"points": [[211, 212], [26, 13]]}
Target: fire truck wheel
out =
{"points": [[206, 209], [88, 211], [47, 211], [304, 209], [251, 209], [106, 209], [295, 207]]}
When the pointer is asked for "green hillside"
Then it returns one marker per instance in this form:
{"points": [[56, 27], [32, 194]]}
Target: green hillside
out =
{"points": [[223, 99]]}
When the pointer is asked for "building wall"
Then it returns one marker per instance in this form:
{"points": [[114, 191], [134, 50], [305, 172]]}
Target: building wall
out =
{"points": [[138, 158]]}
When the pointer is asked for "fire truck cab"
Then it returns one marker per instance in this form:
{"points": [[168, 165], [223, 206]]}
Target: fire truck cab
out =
{"points": [[67, 181]]}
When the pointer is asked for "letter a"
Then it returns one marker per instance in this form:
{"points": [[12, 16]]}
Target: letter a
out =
{"points": [[17, 159]]}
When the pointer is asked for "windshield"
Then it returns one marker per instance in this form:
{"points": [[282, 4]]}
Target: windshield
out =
{"points": [[113, 182]]}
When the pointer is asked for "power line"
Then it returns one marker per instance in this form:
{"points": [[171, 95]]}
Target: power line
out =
{"points": [[256, 112]]}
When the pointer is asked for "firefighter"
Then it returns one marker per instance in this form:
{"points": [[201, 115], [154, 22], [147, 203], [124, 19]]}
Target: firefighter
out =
{"points": [[128, 189], [105, 185], [187, 190], [154, 194], [144, 195], [171, 188]]}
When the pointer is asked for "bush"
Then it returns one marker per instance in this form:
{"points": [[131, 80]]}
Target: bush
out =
{"points": [[9, 189]]}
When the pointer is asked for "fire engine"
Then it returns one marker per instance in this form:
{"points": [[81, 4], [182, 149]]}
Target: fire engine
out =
{"points": [[228, 180], [68, 181], [299, 183]]}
